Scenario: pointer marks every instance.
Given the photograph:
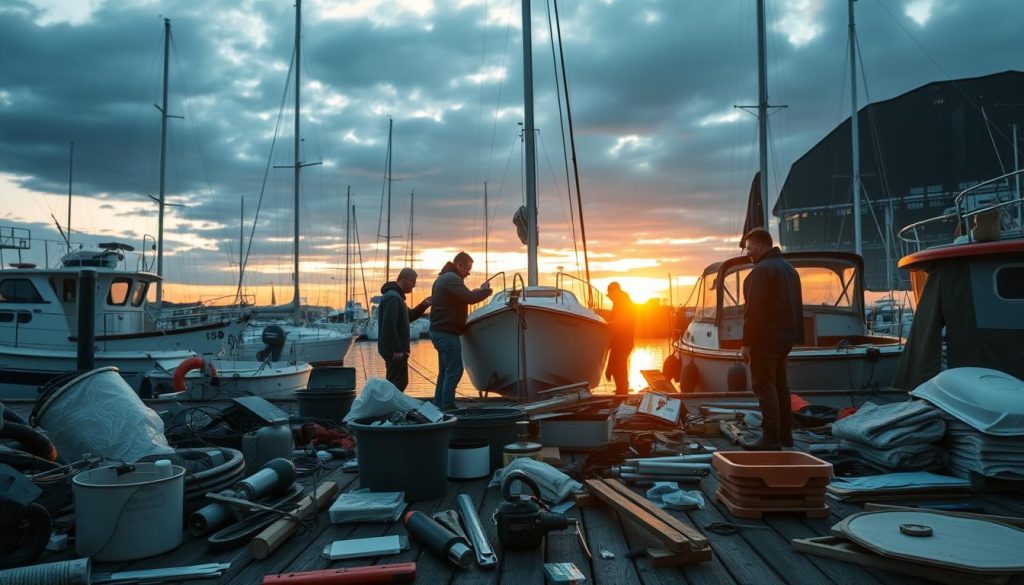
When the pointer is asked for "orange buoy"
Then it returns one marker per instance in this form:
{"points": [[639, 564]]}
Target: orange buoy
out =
{"points": [[192, 363]]}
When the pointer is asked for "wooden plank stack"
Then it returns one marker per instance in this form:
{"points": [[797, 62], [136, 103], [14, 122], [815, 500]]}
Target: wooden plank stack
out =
{"points": [[681, 543]]}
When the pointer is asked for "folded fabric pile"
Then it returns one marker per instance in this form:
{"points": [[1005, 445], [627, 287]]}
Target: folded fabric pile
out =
{"points": [[984, 414], [894, 437]]}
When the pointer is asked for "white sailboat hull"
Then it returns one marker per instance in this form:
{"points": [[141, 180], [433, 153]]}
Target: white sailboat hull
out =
{"points": [[560, 347], [23, 370]]}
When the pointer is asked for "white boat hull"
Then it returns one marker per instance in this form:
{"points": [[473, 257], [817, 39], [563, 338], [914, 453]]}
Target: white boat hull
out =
{"points": [[318, 347], [825, 369], [560, 348], [204, 339], [240, 378], [23, 370]]}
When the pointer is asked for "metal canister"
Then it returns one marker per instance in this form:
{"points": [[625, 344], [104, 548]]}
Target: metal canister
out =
{"points": [[521, 448]]}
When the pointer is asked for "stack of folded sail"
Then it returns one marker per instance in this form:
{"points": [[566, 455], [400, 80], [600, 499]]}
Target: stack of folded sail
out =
{"points": [[984, 414], [894, 437]]}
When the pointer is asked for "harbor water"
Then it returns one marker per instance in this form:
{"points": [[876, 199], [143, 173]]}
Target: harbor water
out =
{"points": [[648, 354]]}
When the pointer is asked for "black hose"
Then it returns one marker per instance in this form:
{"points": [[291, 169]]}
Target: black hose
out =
{"points": [[31, 440], [506, 484]]}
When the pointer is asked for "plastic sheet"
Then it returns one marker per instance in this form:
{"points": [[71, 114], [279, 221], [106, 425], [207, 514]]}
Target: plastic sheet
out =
{"points": [[554, 485], [668, 494], [380, 398], [98, 413]]}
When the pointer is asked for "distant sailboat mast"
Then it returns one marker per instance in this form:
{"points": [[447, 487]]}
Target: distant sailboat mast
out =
{"points": [[161, 200], [762, 110], [855, 136]]}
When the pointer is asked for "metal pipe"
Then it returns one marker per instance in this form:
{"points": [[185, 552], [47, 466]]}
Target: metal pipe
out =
{"points": [[485, 556], [86, 319], [695, 458]]}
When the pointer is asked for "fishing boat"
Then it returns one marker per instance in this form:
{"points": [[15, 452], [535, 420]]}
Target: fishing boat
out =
{"points": [[531, 338], [837, 354]]}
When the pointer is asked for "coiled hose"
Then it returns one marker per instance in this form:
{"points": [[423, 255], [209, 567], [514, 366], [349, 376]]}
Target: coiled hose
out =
{"points": [[203, 475]]}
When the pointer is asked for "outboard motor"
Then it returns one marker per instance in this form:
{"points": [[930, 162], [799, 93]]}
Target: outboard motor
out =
{"points": [[273, 338]]}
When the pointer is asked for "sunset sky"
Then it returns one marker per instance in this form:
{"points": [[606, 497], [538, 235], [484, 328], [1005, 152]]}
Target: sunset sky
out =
{"points": [[665, 156]]}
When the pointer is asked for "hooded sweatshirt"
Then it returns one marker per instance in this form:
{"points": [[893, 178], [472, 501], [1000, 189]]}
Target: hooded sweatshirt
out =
{"points": [[451, 300], [393, 319]]}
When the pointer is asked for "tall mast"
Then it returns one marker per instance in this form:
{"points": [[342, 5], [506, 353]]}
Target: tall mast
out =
{"points": [[762, 110], [298, 163], [387, 237], [71, 171], [241, 248], [487, 257], [855, 133], [412, 225], [531, 150], [348, 244], [163, 169]]}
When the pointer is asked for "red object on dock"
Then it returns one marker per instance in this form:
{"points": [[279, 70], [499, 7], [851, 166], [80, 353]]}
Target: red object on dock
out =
{"points": [[371, 575]]}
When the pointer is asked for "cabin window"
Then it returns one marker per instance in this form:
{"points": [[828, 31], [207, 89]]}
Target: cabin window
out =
{"points": [[1010, 283], [69, 290], [6, 317], [824, 287], [19, 290], [119, 289], [139, 296]]}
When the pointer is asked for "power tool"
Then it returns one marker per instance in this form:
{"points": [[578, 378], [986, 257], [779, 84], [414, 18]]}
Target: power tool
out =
{"points": [[523, 520]]}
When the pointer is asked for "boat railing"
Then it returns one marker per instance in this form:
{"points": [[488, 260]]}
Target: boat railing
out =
{"points": [[595, 300], [1011, 217]]}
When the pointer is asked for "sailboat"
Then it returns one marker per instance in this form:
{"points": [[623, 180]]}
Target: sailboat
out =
{"points": [[529, 339], [372, 329], [838, 353], [316, 345]]}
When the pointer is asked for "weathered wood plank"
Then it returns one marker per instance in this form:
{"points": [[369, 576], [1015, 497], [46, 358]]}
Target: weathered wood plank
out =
{"points": [[604, 531]]}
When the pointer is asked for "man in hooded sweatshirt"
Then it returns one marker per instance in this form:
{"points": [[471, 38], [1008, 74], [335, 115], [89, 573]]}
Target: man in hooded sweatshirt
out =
{"points": [[773, 322], [393, 318], [451, 300]]}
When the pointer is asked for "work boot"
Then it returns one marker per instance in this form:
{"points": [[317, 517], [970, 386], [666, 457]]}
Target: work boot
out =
{"points": [[755, 442]]}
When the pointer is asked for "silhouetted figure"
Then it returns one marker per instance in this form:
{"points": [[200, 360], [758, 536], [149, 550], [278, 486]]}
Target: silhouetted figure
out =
{"points": [[622, 326], [772, 325], [393, 318]]}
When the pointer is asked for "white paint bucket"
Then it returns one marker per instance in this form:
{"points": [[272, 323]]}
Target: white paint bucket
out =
{"points": [[123, 513], [469, 458]]}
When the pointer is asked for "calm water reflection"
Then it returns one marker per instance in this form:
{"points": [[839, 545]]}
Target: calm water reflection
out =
{"points": [[648, 355]]}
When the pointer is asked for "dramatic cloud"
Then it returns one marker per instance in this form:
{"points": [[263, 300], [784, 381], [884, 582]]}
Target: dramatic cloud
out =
{"points": [[665, 155]]}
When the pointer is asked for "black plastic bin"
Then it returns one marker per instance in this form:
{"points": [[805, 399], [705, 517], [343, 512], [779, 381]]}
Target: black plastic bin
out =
{"points": [[404, 458], [496, 424], [329, 394]]}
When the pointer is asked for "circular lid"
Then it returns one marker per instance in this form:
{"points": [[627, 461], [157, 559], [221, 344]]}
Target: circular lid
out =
{"points": [[965, 544], [523, 447]]}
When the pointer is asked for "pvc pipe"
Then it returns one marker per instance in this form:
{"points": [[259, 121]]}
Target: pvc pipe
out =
{"points": [[659, 467], [695, 458]]}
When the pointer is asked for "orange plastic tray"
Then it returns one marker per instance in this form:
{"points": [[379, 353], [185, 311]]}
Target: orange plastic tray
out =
{"points": [[747, 512], [776, 468]]}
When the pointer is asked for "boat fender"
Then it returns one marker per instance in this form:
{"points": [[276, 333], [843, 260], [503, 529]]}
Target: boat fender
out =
{"points": [[736, 378], [872, 354], [670, 368], [192, 363], [689, 377]]}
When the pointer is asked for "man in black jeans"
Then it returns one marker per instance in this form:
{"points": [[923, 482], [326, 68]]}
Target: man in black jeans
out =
{"points": [[393, 318], [772, 325]]}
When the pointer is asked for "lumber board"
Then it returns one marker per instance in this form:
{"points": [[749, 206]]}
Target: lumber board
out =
{"points": [[685, 529], [671, 537]]}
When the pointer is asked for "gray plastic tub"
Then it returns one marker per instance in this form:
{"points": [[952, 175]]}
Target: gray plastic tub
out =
{"points": [[404, 458]]}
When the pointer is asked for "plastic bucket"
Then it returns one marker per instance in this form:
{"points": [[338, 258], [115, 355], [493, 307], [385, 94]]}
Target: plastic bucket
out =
{"points": [[497, 425], [326, 404], [128, 516], [469, 458], [404, 458]]}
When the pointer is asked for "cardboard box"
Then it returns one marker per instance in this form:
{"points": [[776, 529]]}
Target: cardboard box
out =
{"points": [[589, 430]]}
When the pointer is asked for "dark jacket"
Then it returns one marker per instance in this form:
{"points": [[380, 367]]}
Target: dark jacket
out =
{"points": [[773, 318], [623, 320], [393, 319], [451, 300]]}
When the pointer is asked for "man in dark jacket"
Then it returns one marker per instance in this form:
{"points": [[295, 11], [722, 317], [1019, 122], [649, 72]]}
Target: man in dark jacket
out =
{"points": [[393, 319], [451, 300], [622, 325], [772, 325]]}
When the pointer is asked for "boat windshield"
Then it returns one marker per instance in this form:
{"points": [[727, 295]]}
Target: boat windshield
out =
{"points": [[821, 287]]}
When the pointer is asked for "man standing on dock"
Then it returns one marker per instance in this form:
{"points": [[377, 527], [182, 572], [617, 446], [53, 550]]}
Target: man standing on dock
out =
{"points": [[623, 327], [393, 318], [451, 301], [772, 324]]}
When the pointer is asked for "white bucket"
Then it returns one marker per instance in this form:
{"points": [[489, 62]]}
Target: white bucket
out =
{"points": [[469, 458], [128, 516]]}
